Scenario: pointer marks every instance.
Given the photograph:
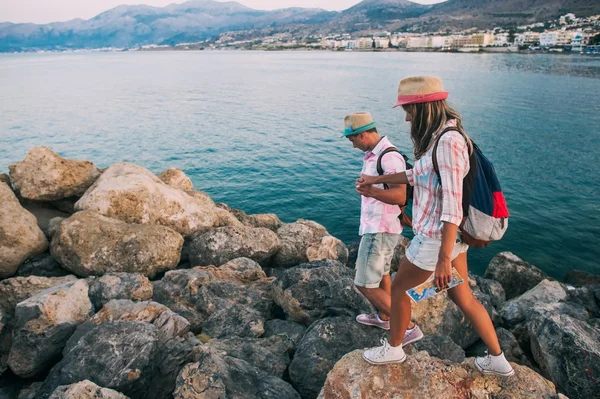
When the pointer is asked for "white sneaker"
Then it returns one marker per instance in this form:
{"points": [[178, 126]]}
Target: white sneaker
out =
{"points": [[496, 365], [385, 354]]}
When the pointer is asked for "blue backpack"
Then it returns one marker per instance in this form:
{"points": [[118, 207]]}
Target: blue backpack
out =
{"points": [[485, 214]]}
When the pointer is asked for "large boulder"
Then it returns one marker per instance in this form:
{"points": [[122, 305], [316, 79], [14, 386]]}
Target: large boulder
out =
{"points": [[313, 290], [291, 330], [517, 309], [21, 236], [133, 286], [323, 344], [45, 176], [91, 244], [438, 315], [44, 323], [18, 289], [85, 390], [515, 275], [328, 248], [567, 350], [266, 220], [296, 238], [422, 376], [272, 355], [133, 194], [220, 245], [491, 288], [175, 178], [118, 355], [586, 297], [199, 292], [216, 375]]}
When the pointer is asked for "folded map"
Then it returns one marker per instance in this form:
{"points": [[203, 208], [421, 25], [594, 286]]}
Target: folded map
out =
{"points": [[428, 288]]}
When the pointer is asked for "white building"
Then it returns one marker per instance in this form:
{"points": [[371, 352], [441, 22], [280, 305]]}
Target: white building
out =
{"points": [[548, 39], [501, 40], [382, 42], [365, 43], [439, 41], [564, 38], [527, 38], [417, 42]]}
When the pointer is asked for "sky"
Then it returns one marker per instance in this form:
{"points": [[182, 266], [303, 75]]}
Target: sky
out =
{"points": [[44, 11]]}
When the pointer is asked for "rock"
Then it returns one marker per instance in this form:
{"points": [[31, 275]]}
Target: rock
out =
{"points": [[18, 289], [567, 351], [44, 323], [21, 236], [323, 344], [53, 226], [44, 212], [353, 252], [585, 297], [66, 205], [266, 220], [581, 278], [45, 176], [510, 346], [515, 275], [117, 355], [422, 376], [133, 286], [440, 316], [491, 288], [43, 265], [219, 246], [296, 238], [244, 268], [85, 390], [199, 292], [235, 320], [225, 219], [272, 355], [399, 251], [516, 310], [91, 244], [4, 178], [6, 327], [134, 195], [328, 248], [203, 199], [175, 178], [441, 347], [218, 376], [290, 329], [30, 391], [313, 290]]}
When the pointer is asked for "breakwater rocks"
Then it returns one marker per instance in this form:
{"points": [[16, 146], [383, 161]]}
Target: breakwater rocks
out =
{"points": [[118, 283]]}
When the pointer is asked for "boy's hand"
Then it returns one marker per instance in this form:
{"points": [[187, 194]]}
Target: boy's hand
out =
{"points": [[365, 190], [365, 180]]}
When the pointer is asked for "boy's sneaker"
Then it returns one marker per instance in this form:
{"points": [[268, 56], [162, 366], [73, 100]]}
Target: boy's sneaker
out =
{"points": [[373, 319], [384, 354], [411, 335], [496, 365]]}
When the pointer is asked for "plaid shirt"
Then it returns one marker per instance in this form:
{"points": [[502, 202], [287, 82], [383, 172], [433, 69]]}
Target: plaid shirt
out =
{"points": [[377, 216], [434, 204]]}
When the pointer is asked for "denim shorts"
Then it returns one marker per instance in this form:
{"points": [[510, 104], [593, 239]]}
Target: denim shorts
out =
{"points": [[374, 258], [423, 251]]}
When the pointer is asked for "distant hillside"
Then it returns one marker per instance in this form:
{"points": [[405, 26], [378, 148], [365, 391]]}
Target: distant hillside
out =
{"points": [[130, 26]]}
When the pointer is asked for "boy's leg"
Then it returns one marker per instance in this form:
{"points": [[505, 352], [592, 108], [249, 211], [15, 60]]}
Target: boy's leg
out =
{"points": [[370, 267]]}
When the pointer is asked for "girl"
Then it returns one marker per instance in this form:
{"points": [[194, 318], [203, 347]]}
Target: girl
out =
{"points": [[437, 214]]}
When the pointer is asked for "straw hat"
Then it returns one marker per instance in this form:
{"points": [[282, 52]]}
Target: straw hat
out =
{"points": [[420, 89], [358, 122]]}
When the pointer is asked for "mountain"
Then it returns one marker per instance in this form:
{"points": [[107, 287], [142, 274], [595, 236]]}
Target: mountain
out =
{"points": [[197, 20]]}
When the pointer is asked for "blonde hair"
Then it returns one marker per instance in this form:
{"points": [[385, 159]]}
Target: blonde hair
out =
{"points": [[428, 120]]}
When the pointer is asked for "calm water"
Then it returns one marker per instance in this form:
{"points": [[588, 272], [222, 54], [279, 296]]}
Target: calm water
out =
{"points": [[261, 131]]}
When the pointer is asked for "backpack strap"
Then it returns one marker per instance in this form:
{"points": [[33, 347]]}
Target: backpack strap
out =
{"points": [[380, 168], [436, 167]]}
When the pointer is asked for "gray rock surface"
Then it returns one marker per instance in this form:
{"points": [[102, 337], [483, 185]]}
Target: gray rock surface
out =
{"points": [[220, 245], [44, 323], [133, 194], [217, 376], [296, 238], [133, 286], [199, 292], [21, 236], [509, 345], [91, 244], [323, 344], [234, 320], [85, 390], [517, 309], [45, 176], [289, 329], [491, 288], [42, 265], [272, 355], [440, 346], [6, 327], [515, 275], [313, 290]]}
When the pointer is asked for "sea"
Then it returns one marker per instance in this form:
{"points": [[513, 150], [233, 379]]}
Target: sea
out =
{"points": [[261, 131]]}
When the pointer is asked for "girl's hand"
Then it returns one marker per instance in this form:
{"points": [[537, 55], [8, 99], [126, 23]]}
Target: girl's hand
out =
{"points": [[443, 272], [365, 180]]}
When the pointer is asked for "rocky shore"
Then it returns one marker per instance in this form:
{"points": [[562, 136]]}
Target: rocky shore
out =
{"points": [[118, 283]]}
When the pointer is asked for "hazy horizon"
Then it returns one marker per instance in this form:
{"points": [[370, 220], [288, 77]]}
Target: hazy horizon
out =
{"points": [[46, 11]]}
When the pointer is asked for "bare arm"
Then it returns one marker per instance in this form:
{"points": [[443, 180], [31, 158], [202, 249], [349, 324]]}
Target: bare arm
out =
{"points": [[395, 195], [395, 178]]}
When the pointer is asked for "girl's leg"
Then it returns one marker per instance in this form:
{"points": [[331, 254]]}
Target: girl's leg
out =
{"points": [[408, 277], [473, 310]]}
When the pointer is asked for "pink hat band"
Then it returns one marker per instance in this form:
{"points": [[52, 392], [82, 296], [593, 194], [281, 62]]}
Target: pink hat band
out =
{"points": [[421, 98]]}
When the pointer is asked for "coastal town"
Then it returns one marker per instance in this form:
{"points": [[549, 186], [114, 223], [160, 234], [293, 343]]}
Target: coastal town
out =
{"points": [[567, 34]]}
